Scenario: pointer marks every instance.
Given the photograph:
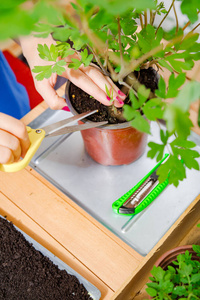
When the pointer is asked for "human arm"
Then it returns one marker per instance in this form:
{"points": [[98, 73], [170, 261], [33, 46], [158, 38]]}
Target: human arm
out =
{"points": [[90, 79], [14, 140]]}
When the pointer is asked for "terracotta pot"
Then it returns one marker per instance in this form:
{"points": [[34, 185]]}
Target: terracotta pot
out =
{"points": [[117, 144], [169, 256]]}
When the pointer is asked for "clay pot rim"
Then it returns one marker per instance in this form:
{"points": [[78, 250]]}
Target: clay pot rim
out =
{"points": [[173, 252], [124, 125]]}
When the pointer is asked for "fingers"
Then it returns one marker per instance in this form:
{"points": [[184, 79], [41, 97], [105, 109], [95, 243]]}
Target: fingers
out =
{"points": [[14, 140], [93, 82], [10, 149], [6, 155], [46, 90]]}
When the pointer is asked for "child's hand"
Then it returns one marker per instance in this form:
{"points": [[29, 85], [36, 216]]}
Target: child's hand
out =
{"points": [[14, 140]]}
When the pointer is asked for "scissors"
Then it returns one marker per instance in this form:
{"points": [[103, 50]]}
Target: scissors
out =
{"points": [[36, 136]]}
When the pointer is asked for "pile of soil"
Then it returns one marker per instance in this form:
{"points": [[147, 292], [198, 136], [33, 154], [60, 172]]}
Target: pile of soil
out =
{"points": [[27, 274], [83, 102]]}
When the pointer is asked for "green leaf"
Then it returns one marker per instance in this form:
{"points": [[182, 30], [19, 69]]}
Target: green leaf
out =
{"points": [[54, 52], [172, 169], [179, 65], [153, 109], [171, 269], [179, 290], [129, 112], [147, 40], [107, 91], [188, 41], [44, 72], [128, 23], [190, 8], [46, 53], [156, 151], [165, 64], [61, 33], [76, 63], [195, 278], [177, 121], [164, 135], [174, 84], [196, 248], [85, 58], [84, 54], [134, 101], [58, 67], [43, 30], [114, 7], [188, 156], [187, 95], [185, 270], [161, 91], [152, 292], [140, 123], [143, 94], [38, 69], [158, 273], [182, 143]]}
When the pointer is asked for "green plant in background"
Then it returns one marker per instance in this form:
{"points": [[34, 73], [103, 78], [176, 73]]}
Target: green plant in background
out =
{"points": [[121, 38], [180, 281]]}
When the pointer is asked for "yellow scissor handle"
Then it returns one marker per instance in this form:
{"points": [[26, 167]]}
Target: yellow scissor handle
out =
{"points": [[36, 136]]}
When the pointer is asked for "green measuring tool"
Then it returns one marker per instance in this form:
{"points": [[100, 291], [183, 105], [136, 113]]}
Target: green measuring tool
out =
{"points": [[142, 194]]}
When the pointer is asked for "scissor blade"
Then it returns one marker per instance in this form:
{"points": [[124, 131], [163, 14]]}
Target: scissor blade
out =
{"points": [[49, 128], [70, 129]]}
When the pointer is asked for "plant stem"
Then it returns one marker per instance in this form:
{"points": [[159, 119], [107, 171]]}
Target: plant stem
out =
{"points": [[152, 17], [195, 27], [136, 63], [113, 74], [176, 17], [165, 16], [99, 61], [98, 44], [141, 21], [145, 18], [120, 44], [106, 52]]}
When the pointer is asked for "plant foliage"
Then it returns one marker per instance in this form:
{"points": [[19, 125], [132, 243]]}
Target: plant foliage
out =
{"points": [[181, 280]]}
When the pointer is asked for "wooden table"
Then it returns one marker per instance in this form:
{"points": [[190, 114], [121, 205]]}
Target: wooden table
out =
{"points": [[56, 222]]}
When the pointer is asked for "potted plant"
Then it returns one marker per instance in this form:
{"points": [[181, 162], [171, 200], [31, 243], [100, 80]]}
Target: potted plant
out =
{"points": [[121, 39], [176, 274]]}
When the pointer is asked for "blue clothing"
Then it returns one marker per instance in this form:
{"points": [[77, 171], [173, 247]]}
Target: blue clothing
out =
{"points": [[14, 100]]}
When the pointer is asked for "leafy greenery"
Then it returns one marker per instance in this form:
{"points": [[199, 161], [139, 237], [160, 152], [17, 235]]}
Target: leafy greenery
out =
{"points": [[106, 32], [181, 279]]}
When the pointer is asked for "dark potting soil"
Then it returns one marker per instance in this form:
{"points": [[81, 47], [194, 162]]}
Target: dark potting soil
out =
{"points": [[83, 102], [26, 274]]}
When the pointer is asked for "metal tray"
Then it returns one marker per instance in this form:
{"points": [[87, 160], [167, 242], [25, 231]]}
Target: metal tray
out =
{"points": [[92, 290], [64, 162]]}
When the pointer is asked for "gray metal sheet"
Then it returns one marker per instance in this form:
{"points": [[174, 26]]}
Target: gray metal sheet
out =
{"points": [[64, 162]]}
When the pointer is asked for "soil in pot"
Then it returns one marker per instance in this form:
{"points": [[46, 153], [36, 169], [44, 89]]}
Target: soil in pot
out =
{"points": [[26, 273], [83, 102]]}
